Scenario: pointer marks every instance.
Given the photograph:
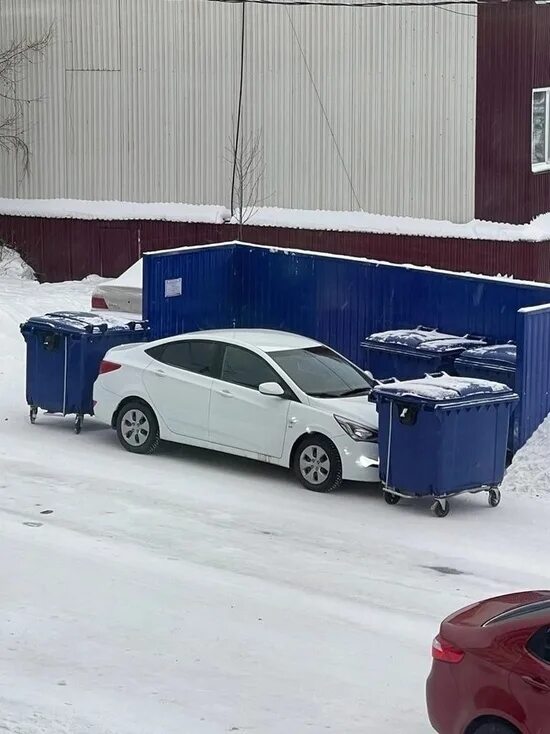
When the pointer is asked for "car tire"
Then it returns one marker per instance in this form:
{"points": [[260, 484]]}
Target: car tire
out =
{"points": [[317, 464], [137, 428], [495, 727]]}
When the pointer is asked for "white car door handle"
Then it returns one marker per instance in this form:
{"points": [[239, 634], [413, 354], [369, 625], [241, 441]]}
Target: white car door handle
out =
{"points": [[159, 372], [225, 393]]}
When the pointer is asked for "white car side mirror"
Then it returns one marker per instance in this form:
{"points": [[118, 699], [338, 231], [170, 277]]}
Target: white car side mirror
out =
{"points": [[369, 374], [271, 388]]}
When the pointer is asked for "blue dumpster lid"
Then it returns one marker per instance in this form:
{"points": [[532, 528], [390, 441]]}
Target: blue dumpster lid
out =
{"points": [[423, 338], [442, 388], [502, 355], [82, 321]]}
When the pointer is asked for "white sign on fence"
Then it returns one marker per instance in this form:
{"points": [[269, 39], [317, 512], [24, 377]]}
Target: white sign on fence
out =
{"points": [[173, 287]]}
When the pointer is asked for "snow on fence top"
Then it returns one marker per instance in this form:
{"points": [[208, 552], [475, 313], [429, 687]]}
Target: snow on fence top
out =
{"points": [[536, 231], [113, 210]]}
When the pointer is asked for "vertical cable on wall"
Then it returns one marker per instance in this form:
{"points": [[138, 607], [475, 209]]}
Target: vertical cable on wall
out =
{"points": [[239, 109]]}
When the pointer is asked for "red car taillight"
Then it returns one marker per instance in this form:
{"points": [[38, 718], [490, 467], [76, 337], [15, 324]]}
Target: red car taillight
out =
{"points": [[444, 652], [107, 366], [98, 302]]}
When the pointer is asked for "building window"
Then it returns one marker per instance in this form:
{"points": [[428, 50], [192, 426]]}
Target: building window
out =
{"points": [[540, 143]]}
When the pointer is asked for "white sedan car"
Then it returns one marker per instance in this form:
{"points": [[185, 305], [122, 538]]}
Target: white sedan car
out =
{"points": [[266, 395]]}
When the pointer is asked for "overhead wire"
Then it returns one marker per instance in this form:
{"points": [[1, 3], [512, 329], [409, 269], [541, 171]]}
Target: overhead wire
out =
{"points": [[373, 3], [324, 111], [239, 108]]}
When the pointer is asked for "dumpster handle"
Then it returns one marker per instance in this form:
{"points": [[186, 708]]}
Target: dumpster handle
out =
{"points": [[65, 377], [472, 402], [389, 448], [476, 337]]}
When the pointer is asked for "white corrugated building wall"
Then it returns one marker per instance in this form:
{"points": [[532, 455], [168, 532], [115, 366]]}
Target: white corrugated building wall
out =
{"points": [[356, 108]]}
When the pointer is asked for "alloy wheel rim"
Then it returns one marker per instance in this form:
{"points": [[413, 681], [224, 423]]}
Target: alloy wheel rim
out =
{"points": [[314, 464], [135, 427]]}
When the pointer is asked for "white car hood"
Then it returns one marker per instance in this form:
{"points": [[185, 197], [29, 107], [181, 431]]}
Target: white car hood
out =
{"points": [[357, 408]]}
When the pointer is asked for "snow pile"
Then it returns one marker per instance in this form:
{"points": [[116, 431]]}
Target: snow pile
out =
{"points": [[12, 265], [530, 470]]}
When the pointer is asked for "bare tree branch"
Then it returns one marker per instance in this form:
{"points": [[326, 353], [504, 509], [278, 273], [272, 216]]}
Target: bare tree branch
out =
{"points": [[13, 61], [249, 166]]}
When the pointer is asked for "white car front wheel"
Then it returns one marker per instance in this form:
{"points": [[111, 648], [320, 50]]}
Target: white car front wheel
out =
{"points": [[317, 464]]}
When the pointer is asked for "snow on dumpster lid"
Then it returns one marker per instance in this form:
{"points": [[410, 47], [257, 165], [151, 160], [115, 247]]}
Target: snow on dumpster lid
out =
{"points": [[442, 388], [408, 337], [423, 338], [449, 344], [81, 321], [501, 354]]}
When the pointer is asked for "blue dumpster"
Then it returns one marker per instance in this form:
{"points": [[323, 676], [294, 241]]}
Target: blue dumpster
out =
{"points": [[496, 362], [442, 435], [410, 353], [64, 351]]}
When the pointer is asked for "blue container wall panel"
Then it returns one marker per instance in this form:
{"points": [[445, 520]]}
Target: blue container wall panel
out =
{"points": [[533, 372], [276, 291], [340, 301], [208, 285]]}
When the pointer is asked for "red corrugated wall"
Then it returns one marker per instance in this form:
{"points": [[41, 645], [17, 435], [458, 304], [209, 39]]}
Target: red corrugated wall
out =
{"points": [[513, 52], [64, 249]]}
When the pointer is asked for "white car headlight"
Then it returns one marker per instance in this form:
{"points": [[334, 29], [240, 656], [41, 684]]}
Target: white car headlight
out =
{"points": [[357, 431]]}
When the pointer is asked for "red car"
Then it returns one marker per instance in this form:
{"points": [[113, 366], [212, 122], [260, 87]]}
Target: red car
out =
{"points": [[491, 668]]}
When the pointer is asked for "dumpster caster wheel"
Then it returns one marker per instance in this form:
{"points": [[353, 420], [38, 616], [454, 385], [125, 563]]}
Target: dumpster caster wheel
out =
{"points": [[441, 508], [494, 497], [78, 421], [390, 498], [33, 412]]}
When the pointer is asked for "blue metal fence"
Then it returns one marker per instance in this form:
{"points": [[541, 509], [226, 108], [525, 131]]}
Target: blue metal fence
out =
{"points": [[191, 290], [533, 376], [341, 300]]}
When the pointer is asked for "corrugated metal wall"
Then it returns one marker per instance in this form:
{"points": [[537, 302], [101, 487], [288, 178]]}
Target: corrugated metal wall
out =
{"points": [[514, 59], [367, 108], [340, 301], [533, 375], [65, 249]]}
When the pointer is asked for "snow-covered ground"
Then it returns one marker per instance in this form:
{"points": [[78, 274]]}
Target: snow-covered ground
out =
{"points": [[190, 593]]}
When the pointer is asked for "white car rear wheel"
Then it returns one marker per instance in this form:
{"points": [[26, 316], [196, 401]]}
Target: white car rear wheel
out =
{"points": [[137, 428]]}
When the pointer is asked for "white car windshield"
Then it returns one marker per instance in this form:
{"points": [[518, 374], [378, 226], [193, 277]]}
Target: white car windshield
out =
{"points": [[322, 373]]}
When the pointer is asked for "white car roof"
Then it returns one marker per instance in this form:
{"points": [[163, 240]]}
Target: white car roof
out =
{"points": [[264, 339]]}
